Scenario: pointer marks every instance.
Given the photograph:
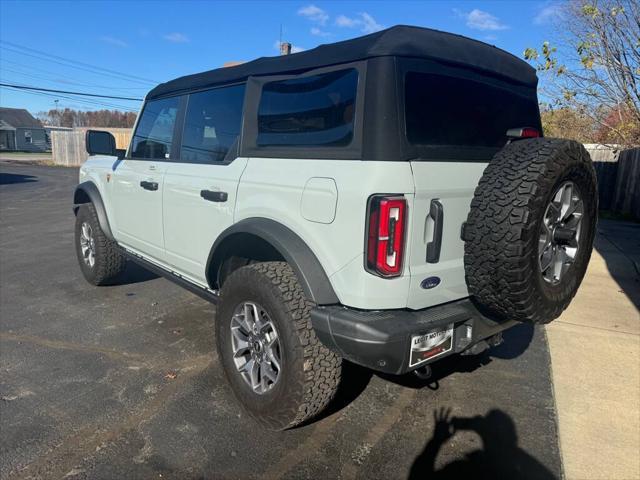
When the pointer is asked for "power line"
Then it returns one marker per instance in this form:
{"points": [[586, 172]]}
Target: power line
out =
{"points": [[57, 77], [94, 70], [76, 99], [50, 80], [84, 101], [83, 64], [25, 87], [10, 80]]}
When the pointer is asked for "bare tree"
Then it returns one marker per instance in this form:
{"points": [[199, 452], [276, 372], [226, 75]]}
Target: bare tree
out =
{"points": [[593, 66], [80, 118]]}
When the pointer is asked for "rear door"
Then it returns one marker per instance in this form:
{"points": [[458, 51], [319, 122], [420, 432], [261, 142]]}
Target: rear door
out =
{"points": [[200, 185], [138, 179], [454, 124]]}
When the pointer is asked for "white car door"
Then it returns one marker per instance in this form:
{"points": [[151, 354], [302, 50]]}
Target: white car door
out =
{"points": [[200, 186], [138, 180]]}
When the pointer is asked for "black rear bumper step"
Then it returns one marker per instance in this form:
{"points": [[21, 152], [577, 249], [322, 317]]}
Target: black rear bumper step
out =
{"points": [[380, 339]]}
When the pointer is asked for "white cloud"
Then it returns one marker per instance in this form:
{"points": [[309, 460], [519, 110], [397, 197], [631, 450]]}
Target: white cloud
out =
{"points": [[364, 21], [176, 37], [481, 20], [369, 25], [319, 33], [548, 14], [344, 21], [114, 41], [314, 14]]}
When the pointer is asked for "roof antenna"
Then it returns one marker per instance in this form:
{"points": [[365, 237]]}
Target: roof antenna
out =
{"points": [[285, 47]]}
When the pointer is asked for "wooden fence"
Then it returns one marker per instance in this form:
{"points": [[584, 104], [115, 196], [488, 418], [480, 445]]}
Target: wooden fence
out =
{"points": [[618, 175], [68, 146]]}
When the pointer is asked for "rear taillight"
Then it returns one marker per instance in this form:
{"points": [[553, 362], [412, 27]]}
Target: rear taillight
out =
{"points": [[523, 132], [385, 235]]}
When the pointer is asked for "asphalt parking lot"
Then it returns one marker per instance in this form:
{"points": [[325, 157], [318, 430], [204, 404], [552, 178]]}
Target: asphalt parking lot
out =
{"points": [[123, 381]]}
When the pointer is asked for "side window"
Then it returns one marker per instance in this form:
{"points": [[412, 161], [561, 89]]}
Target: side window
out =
{"points": [[318, 110], [212, 125], [154, 133]]}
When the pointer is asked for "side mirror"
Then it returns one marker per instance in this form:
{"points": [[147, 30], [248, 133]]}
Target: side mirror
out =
{"points": [[100, 143]]}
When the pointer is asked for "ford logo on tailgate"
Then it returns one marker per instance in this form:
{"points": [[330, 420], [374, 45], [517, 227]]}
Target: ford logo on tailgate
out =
{"points": [[430, 282]]}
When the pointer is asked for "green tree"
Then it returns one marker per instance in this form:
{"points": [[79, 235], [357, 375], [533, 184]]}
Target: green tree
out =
{"points": [[592, 66]]}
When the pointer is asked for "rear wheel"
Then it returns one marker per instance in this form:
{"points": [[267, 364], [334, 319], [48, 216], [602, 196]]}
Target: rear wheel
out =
{"points": [[279, 371], [100, 259]]}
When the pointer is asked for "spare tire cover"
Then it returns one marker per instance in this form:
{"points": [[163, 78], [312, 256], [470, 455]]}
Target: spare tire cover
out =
{"points": [[529, 233]]}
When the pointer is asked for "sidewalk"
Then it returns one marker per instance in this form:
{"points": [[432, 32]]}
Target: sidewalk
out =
{"points": [[26, 157], [595, 358]]}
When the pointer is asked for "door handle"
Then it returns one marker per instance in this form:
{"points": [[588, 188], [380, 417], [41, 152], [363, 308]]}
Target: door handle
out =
{"points": [[153, 186], [436, 212], [214, 196]]}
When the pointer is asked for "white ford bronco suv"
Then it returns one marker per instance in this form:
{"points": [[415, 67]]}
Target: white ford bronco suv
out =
{"points": [[387, 200]]}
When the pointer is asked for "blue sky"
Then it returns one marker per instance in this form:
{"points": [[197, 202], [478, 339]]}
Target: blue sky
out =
{"points": [[152, 41]]}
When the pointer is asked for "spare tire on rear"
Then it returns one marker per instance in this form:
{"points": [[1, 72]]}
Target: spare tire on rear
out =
{"points": [[529, 233]]}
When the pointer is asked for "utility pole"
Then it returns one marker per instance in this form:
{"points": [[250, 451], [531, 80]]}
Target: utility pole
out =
{"points": [[57, 112]]}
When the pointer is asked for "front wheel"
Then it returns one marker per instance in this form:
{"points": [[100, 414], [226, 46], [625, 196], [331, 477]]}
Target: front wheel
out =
{"points": [[278, 369], [100, 259]]}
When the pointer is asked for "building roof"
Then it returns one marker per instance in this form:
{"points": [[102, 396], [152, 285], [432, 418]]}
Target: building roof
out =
{"points": [[402, 41], [18, 117]]}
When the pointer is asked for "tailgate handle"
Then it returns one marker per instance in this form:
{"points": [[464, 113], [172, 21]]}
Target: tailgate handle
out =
{"points": [[436, 213]]}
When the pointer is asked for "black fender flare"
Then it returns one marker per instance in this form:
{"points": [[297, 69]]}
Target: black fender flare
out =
{"points": [[87, 192], [312, 277]]}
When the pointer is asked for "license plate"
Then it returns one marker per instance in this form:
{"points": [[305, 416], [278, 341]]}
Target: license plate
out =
{"points": [[430, 345]]}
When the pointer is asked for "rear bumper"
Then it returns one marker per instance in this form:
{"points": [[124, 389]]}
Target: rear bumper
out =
{"points": [[381, 339]]}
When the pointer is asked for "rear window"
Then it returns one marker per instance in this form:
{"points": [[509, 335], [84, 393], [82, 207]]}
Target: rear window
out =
{"points": [[317, 110], [212, 125], [450, 111]]}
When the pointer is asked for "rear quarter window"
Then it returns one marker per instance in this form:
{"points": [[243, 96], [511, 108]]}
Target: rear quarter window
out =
{"points": [[441, 110], [317, 110]]}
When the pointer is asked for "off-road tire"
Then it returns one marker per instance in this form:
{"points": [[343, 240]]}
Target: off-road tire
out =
{"points": [[310, 372], [109, 259], [502, 229]]}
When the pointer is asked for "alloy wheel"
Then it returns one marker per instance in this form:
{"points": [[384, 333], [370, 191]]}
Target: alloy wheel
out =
{"points": [[559, 239], [87, 245], [256, 347]]}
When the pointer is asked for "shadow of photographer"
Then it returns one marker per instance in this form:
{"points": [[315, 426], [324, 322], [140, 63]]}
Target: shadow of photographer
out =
{"points": [[499, 457]]}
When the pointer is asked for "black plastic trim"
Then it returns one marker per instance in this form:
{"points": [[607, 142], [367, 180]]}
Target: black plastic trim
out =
{"points": [[380, 339], [294, 250], [214, 196], [151, 186], [91, 190]]}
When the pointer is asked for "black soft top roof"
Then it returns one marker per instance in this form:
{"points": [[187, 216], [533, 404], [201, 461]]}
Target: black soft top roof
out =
{"points": [[402, 41]]}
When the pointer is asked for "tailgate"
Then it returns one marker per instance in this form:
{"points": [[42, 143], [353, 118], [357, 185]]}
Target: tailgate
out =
{"points": [[452, 184]]}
